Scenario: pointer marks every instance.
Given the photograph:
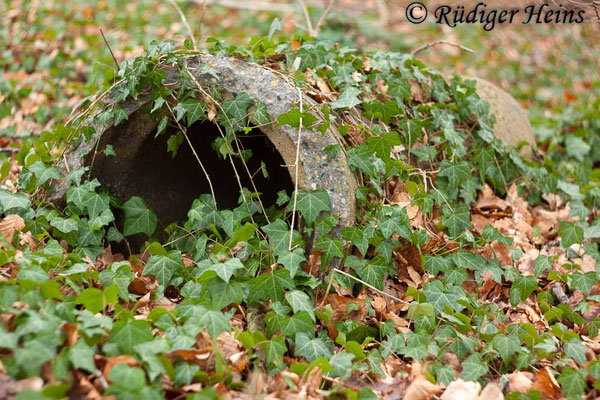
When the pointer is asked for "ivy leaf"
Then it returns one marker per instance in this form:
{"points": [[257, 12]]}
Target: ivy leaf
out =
{"points": [[291, 260], [225, 270], [311, 349], [9, 201], [347, 99], [270, 286], [456, 221], [292, 118], [260, 114], [473, 368], [572, 383], [584, 282], [542, 264], [300, 302], [276, 25], [95, 204], [455, 172], [297, 323], [184, 373], [394, 220], [437, 264], [138, 217], [310, 204], [373, 272], [279, 236], [214, 321], [42, 173], [82, 357], [126, 334], [225, 293], [465, 259], [65, 225], [569, 234], [441, 297], [162, 267], [576, 350], [507, 346], [521, 288], [331, 247], [357, 237], [274, 349], [194, 111], [237, 110]]}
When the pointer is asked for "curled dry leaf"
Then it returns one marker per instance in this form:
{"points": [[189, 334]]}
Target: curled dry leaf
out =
{"points": [[520, 381], [10, 225], [420, 388], [461, 390], [492, 391]]}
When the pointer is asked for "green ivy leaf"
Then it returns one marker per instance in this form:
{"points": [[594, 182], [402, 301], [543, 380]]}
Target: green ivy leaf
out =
{"points": [[572, 383], [584, 282], [291, 260], [126, 334], [194, 111], [521, 288], [569, 234], [310, 204], [576, 350], [473, 368], [270, 286], [507, 346], [138, 217], [279, 236], [163, 267], [347, 99], [311, 349], [456, 222], [373, 272], [82, 357], [10, 201], [300, 302]]}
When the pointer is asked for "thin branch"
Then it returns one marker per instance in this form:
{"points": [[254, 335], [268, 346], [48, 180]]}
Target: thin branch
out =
{"points": [[8, 150], [297, 163], [324, 16], [184, 132], [438, 42], [109, 49], [247, 5], [309, 25], [201, 23], [381, 292], [185, 23]]}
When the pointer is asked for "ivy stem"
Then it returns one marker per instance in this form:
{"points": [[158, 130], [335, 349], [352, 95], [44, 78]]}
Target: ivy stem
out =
{"points": [[296, 166]]}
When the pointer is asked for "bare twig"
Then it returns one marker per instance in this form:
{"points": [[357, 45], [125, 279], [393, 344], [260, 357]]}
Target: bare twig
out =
{"points": [[109, 49], [184, 132], [297, 163], [309, 25], [8, 150], [438, 42], [381, 292], [247, 5], [185, 23], [201, 23], [324, 16]]}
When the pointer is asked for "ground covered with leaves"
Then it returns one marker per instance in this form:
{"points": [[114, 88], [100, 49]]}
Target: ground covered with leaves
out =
{"points": [[471, 271]]}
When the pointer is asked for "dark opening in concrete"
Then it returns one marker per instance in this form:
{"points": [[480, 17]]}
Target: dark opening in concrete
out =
{"points": [[143, 167]]}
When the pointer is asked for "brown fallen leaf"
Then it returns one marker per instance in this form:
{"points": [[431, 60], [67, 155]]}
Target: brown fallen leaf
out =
{"points": [[461, 390], [10, 225], [520, 381], [420, 388], [492, 391]]}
